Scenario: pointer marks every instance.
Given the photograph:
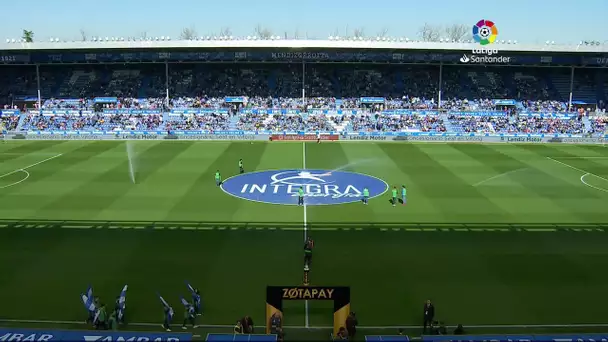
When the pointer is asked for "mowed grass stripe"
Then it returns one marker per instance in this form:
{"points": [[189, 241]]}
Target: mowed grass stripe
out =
{"points": [[44, 184], [525, 194], [328, 156], [107, 182], [456, 200], [204, 199], [568, 173], [19, 253], [23, 148], [595, 166], [166, 174], [577, 203], [372, 160], [470, 169]]}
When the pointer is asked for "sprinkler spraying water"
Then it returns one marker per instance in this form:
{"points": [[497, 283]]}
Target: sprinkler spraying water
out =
{"points": [[131, 157]]}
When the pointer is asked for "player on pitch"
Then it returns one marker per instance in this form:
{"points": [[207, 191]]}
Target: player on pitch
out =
{"points": [[218, 178], [365, 195], [403, 194], [301, 196], [308, 246], [394, 193], [241, 170]]}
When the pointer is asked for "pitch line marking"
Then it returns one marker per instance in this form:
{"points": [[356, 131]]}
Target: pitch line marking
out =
{"points": [[381, 327], [306, 319], [28, 154], [27, 175], [585, 173], [583, 157], [589, 185], [499, 175], [23, 170]]}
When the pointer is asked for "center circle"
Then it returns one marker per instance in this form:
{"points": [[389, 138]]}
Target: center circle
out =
{"points": [[321, 187]]}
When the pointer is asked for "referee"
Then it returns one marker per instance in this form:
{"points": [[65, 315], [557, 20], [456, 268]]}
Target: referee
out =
{"points": [[308, 246]]}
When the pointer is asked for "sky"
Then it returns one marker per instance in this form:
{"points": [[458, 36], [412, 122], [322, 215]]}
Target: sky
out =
{"points": [[529, 21]]}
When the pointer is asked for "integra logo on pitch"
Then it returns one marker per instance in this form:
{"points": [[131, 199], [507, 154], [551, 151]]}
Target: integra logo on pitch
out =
{"points": [[320, 187]]}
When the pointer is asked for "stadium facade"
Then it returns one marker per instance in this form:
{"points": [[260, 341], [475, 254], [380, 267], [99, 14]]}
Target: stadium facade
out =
{"points": [[305, 52], [427, 85]]}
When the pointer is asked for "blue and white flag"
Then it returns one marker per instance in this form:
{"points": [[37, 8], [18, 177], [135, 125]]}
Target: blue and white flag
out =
{"points": [[189, 307], [122, 302], [166, 305], [88, 300], [185, 302], [196, 298]]}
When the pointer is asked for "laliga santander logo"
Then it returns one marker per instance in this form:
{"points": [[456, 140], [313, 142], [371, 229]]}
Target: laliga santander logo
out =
{"points": [[485, 33], [321, 187]]}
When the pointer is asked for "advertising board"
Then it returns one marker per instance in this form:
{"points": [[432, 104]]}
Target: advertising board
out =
{"points": [[304, 137], [10, 334]]}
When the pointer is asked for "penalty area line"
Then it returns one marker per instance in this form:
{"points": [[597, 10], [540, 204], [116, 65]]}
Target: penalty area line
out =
{"points": [[378, 327], [585, 173], [32, 165], [23, 170]]}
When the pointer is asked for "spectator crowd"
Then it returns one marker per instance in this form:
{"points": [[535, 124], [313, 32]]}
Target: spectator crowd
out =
{"points": [[412, 89]]}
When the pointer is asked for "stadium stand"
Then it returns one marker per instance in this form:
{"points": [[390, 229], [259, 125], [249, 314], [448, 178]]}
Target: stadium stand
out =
{"points": [[301, 92]]}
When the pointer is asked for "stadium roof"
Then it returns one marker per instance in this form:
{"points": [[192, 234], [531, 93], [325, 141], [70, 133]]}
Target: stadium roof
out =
{"points": [[394, 44]]}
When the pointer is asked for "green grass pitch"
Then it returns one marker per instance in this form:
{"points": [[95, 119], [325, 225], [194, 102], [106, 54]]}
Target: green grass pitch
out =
{"points": [[491, 233]]}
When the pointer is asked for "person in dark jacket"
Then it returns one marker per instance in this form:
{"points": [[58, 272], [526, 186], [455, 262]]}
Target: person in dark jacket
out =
{"points": [[429, 314], [276, 322], [351, 325], [247, 323], [459, 330]]}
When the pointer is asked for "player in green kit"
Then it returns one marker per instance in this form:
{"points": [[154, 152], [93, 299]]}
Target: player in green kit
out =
{"points": [[403, 194], [394, 193], [241, 170], [301, 196], [365, 195], [218, 178]]}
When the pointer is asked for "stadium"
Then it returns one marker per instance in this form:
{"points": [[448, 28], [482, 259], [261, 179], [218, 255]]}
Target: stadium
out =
{"points": [[166, 163]]}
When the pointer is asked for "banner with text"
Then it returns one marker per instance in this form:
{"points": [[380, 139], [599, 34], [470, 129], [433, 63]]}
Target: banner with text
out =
{"points": [[8, 334], [518, 338], [304, 137]]}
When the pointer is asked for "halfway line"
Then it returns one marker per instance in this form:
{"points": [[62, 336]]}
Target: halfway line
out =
{"points": [[306, 320]]}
